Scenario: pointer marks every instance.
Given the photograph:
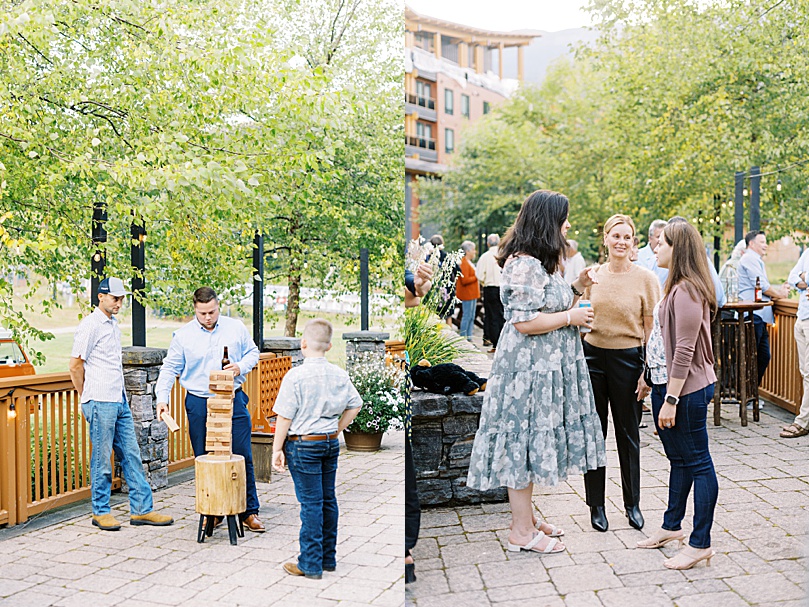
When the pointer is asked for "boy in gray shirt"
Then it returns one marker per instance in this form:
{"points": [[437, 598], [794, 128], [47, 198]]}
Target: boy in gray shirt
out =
{"points": [[316, 401]]}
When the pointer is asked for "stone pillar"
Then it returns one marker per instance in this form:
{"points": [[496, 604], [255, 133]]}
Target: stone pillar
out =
{"points": [[284, 346], [141, 368], [360, 342]]}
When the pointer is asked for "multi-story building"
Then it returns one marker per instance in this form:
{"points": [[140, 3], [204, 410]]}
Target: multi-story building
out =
{"points": [[449, 82]]}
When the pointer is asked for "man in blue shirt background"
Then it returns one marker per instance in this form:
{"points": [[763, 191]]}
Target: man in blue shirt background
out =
{"points": [[751, 267]]}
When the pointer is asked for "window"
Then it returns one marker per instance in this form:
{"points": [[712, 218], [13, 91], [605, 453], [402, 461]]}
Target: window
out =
{"points": [[449, 140], [486, 107], [423, 96], [465, 106], [449, 101], [424, 136]]}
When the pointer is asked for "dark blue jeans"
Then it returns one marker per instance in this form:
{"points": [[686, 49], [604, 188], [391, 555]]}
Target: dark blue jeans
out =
{"points": [[762, 345], [313, 465], [197, 410], [686, 447]]}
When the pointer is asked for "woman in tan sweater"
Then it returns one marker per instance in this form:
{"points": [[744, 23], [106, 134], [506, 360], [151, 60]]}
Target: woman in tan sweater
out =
{"points": [[623, 300], [685, 323]]}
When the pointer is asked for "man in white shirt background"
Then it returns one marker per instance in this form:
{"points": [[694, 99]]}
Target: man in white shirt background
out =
{"points": [[488, 273]]}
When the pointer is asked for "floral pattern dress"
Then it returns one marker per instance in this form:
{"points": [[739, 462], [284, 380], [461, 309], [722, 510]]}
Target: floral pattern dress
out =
{"points": [[538, 422]]}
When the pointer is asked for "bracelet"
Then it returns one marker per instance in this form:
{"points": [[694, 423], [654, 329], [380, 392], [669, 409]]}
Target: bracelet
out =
{"points": [[568, 318], [576, 292]]}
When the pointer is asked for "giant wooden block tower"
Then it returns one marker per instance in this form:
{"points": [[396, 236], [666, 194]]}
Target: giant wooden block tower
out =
{"points": [[219, 426], [220, 475]]}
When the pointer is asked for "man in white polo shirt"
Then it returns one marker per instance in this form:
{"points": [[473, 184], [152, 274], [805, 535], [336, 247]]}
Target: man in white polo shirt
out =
{"points": [[98, 376]]}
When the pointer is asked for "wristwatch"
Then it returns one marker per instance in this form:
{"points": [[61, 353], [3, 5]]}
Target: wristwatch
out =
{"points": [[576, 292], [672, 400]]}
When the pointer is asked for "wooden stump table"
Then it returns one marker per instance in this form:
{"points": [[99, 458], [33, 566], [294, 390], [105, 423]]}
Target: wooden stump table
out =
{"points": [[221, 491]]}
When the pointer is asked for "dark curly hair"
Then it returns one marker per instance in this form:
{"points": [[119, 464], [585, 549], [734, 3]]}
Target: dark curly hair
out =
{"points": [[537, 231]]}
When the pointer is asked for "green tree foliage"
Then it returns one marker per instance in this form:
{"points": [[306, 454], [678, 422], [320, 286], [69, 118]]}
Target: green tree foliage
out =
{"points": [[201, 121], [652, 120]]}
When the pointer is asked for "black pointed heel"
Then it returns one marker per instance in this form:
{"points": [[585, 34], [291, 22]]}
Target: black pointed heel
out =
{"points": [[635, 517], [598, 518]]}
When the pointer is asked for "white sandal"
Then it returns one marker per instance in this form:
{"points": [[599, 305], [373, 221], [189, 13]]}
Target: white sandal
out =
{"points": [[556, 531], [531, 545]]}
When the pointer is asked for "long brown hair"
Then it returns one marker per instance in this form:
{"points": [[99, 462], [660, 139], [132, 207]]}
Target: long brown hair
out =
{"points": [[689, 262]]}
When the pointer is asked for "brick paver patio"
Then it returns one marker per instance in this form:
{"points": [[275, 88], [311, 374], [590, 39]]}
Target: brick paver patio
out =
{"points": [[759, 534], [73, 563]]}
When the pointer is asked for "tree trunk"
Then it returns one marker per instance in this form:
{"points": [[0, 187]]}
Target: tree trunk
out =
{"points": [[293, 300]]}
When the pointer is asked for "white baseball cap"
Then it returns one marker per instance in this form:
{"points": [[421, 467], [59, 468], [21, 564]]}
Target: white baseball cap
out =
{"points": [[112, 286]]}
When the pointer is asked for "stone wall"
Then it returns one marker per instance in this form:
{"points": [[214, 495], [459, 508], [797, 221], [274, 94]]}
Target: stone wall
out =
{"points": [[141, 368], [443, 433], [284, 346], [359, 343]]}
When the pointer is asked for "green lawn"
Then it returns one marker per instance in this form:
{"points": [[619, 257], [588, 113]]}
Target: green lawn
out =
{"points": [[159, 331]]}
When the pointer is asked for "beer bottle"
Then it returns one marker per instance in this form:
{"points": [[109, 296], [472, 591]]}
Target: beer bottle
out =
{"points": [[225, 359], [758, 289]]}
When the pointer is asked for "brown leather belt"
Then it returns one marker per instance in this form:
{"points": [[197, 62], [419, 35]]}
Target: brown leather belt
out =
{"points": [[293, 437]]}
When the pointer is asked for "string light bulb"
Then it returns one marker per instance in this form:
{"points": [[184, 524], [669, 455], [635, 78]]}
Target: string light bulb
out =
{"points": [[12, 411], [744, 192], [778, 186]]}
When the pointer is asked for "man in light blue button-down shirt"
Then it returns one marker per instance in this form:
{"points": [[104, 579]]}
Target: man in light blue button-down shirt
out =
{"points": [[798, 278], [751, 267], [196, 349]]}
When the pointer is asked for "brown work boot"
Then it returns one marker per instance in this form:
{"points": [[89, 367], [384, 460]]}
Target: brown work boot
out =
{"points": [[106, 522], [151, 518], [253, 523], [292, 569]]}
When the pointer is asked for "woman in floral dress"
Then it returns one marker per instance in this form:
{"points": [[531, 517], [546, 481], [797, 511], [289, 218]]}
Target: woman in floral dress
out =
{"points": [[538, 423]]}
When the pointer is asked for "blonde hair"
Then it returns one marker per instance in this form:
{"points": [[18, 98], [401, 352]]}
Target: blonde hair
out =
{"points": [[317, 334], [618, 219]]}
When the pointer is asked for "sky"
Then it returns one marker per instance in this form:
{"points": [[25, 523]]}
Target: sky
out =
{"points": [[507, 15]]}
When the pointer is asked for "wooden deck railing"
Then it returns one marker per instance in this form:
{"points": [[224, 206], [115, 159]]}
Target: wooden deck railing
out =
{"points": [[782, 383], [45, 442]]}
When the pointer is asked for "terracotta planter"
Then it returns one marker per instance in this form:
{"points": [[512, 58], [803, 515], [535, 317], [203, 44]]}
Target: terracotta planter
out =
{"points": [[358, 441]]}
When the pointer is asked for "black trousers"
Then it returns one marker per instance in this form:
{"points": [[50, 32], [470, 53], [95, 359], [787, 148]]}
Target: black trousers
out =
{"points": [[412, 505], [614, 375], [762, 346], [493, 319]]}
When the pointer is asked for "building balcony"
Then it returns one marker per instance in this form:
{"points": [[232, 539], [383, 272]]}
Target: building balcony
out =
{"points": [[424, 102], [423, 147]]}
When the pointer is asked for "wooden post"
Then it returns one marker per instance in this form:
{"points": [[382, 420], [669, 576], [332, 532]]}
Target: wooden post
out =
{"points": [[502, 48], [520, 64]]}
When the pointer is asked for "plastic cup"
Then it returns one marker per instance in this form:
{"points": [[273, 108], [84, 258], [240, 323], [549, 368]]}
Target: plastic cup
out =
{"points": [[585, 303]]}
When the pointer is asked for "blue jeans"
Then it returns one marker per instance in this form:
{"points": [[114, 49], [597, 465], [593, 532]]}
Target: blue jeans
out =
{"points": [[686, 447], [196, 408], [112, 428], [313, 465], [468, 309]]}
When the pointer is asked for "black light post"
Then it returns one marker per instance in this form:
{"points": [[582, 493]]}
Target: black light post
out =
{"points": [[738, 207], [364, 315], [755, 198], [138, 259], [99, 236], [258, 290]]}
